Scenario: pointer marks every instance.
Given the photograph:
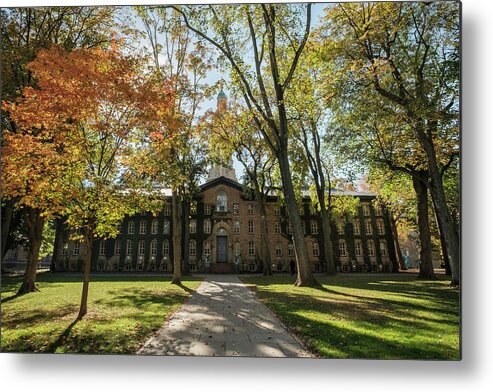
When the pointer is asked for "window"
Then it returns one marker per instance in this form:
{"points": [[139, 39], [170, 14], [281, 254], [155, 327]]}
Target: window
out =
{"points": [[222, 201], [120, 228], [380, 227], [356, 227], [118, 248], [153, 248], [340, 228], [193, 226], [236, 227], [167, 210], [315, 249], [277, 229], [314, 227], [313, 209], [291, 250], [193, 207], [342, 248], [357, 248], [236, 208], [251, 248], [76, 248], [166, 248], [166, 227], [383, 248], [102, 248], [378, 210], [154, 226], [368, 227], [277, 210], [290, 228], [250, 209], [143, 227], [278, 250], [207, 249], [237, 248], [129, 247], [64, 249], [131, 227], [366, 210], [142, 248], [207, 226], [207, 209], [250, 227], [371, 248], [301, 209], [303, 226], [193, 248]]}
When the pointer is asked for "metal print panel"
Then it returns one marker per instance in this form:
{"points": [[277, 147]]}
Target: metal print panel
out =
{"points": [[257, 180]]}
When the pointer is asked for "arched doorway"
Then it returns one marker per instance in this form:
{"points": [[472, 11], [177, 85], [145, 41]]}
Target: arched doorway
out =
{"points": [[222, 246]]}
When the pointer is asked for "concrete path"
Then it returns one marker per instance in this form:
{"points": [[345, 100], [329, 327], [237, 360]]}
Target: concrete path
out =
{"points": [[224, 318]]}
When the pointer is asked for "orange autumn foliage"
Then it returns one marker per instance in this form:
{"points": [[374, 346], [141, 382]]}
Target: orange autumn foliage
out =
{"points": [[78, 123]]}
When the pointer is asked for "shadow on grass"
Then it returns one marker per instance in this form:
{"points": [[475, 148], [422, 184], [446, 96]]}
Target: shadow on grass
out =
{"points": [[62, 338], [37, 317]]}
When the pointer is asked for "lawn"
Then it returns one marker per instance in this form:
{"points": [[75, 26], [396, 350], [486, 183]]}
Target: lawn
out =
{"points": [[123, 311], [368, 316]]}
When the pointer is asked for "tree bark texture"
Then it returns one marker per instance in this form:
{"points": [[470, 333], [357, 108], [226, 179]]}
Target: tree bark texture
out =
{"points": [[443, 244], [89, 240], [186, 238], [426, 264], [7, 211], [264, 236], [35, 224], [305, 275], [398, 250], [175, 208], [450, 235], [329, 252]]}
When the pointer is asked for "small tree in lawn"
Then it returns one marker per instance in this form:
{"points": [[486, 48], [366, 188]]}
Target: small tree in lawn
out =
{"points": [[97, 104]]}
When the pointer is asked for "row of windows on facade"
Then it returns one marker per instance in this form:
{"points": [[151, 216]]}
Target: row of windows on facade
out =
{"points": [[251, 227], [222, 206], [343, 251]]}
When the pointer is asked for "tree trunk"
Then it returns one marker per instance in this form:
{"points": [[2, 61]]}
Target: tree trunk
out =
{"points": [[56, 243], [329, 252], [186, 238], [442, 242], [35, 224], [176, 238], [450, 235], [264, 235], [426, 265], [305, 275], [7, 211], [89, 239], [398, 250]]}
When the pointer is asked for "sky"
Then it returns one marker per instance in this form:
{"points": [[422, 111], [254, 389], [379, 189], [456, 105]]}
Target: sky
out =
{"points": [[215, 75]]}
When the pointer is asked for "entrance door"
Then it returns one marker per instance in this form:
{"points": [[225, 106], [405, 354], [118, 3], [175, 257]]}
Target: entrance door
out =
{"points": [[222, 249]]}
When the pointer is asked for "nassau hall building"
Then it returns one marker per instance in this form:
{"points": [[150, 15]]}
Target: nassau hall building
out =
{"points": [[224, 229]]}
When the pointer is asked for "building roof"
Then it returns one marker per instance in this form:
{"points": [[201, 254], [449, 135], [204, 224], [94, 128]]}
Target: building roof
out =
{"points": [[221, 94]]}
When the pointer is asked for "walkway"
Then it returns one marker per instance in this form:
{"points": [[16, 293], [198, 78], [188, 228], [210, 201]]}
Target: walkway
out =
{"points": [[224, 318]]}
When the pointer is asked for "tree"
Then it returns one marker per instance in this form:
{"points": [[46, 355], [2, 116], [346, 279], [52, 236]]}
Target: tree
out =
{"points": [[407, 54], [308, 107], [183, 60], [24, 32], [261, 45], [92, 107]]}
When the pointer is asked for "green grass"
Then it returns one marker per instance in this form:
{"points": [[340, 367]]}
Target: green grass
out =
{"points": [[368, 316], [123, 311]]}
